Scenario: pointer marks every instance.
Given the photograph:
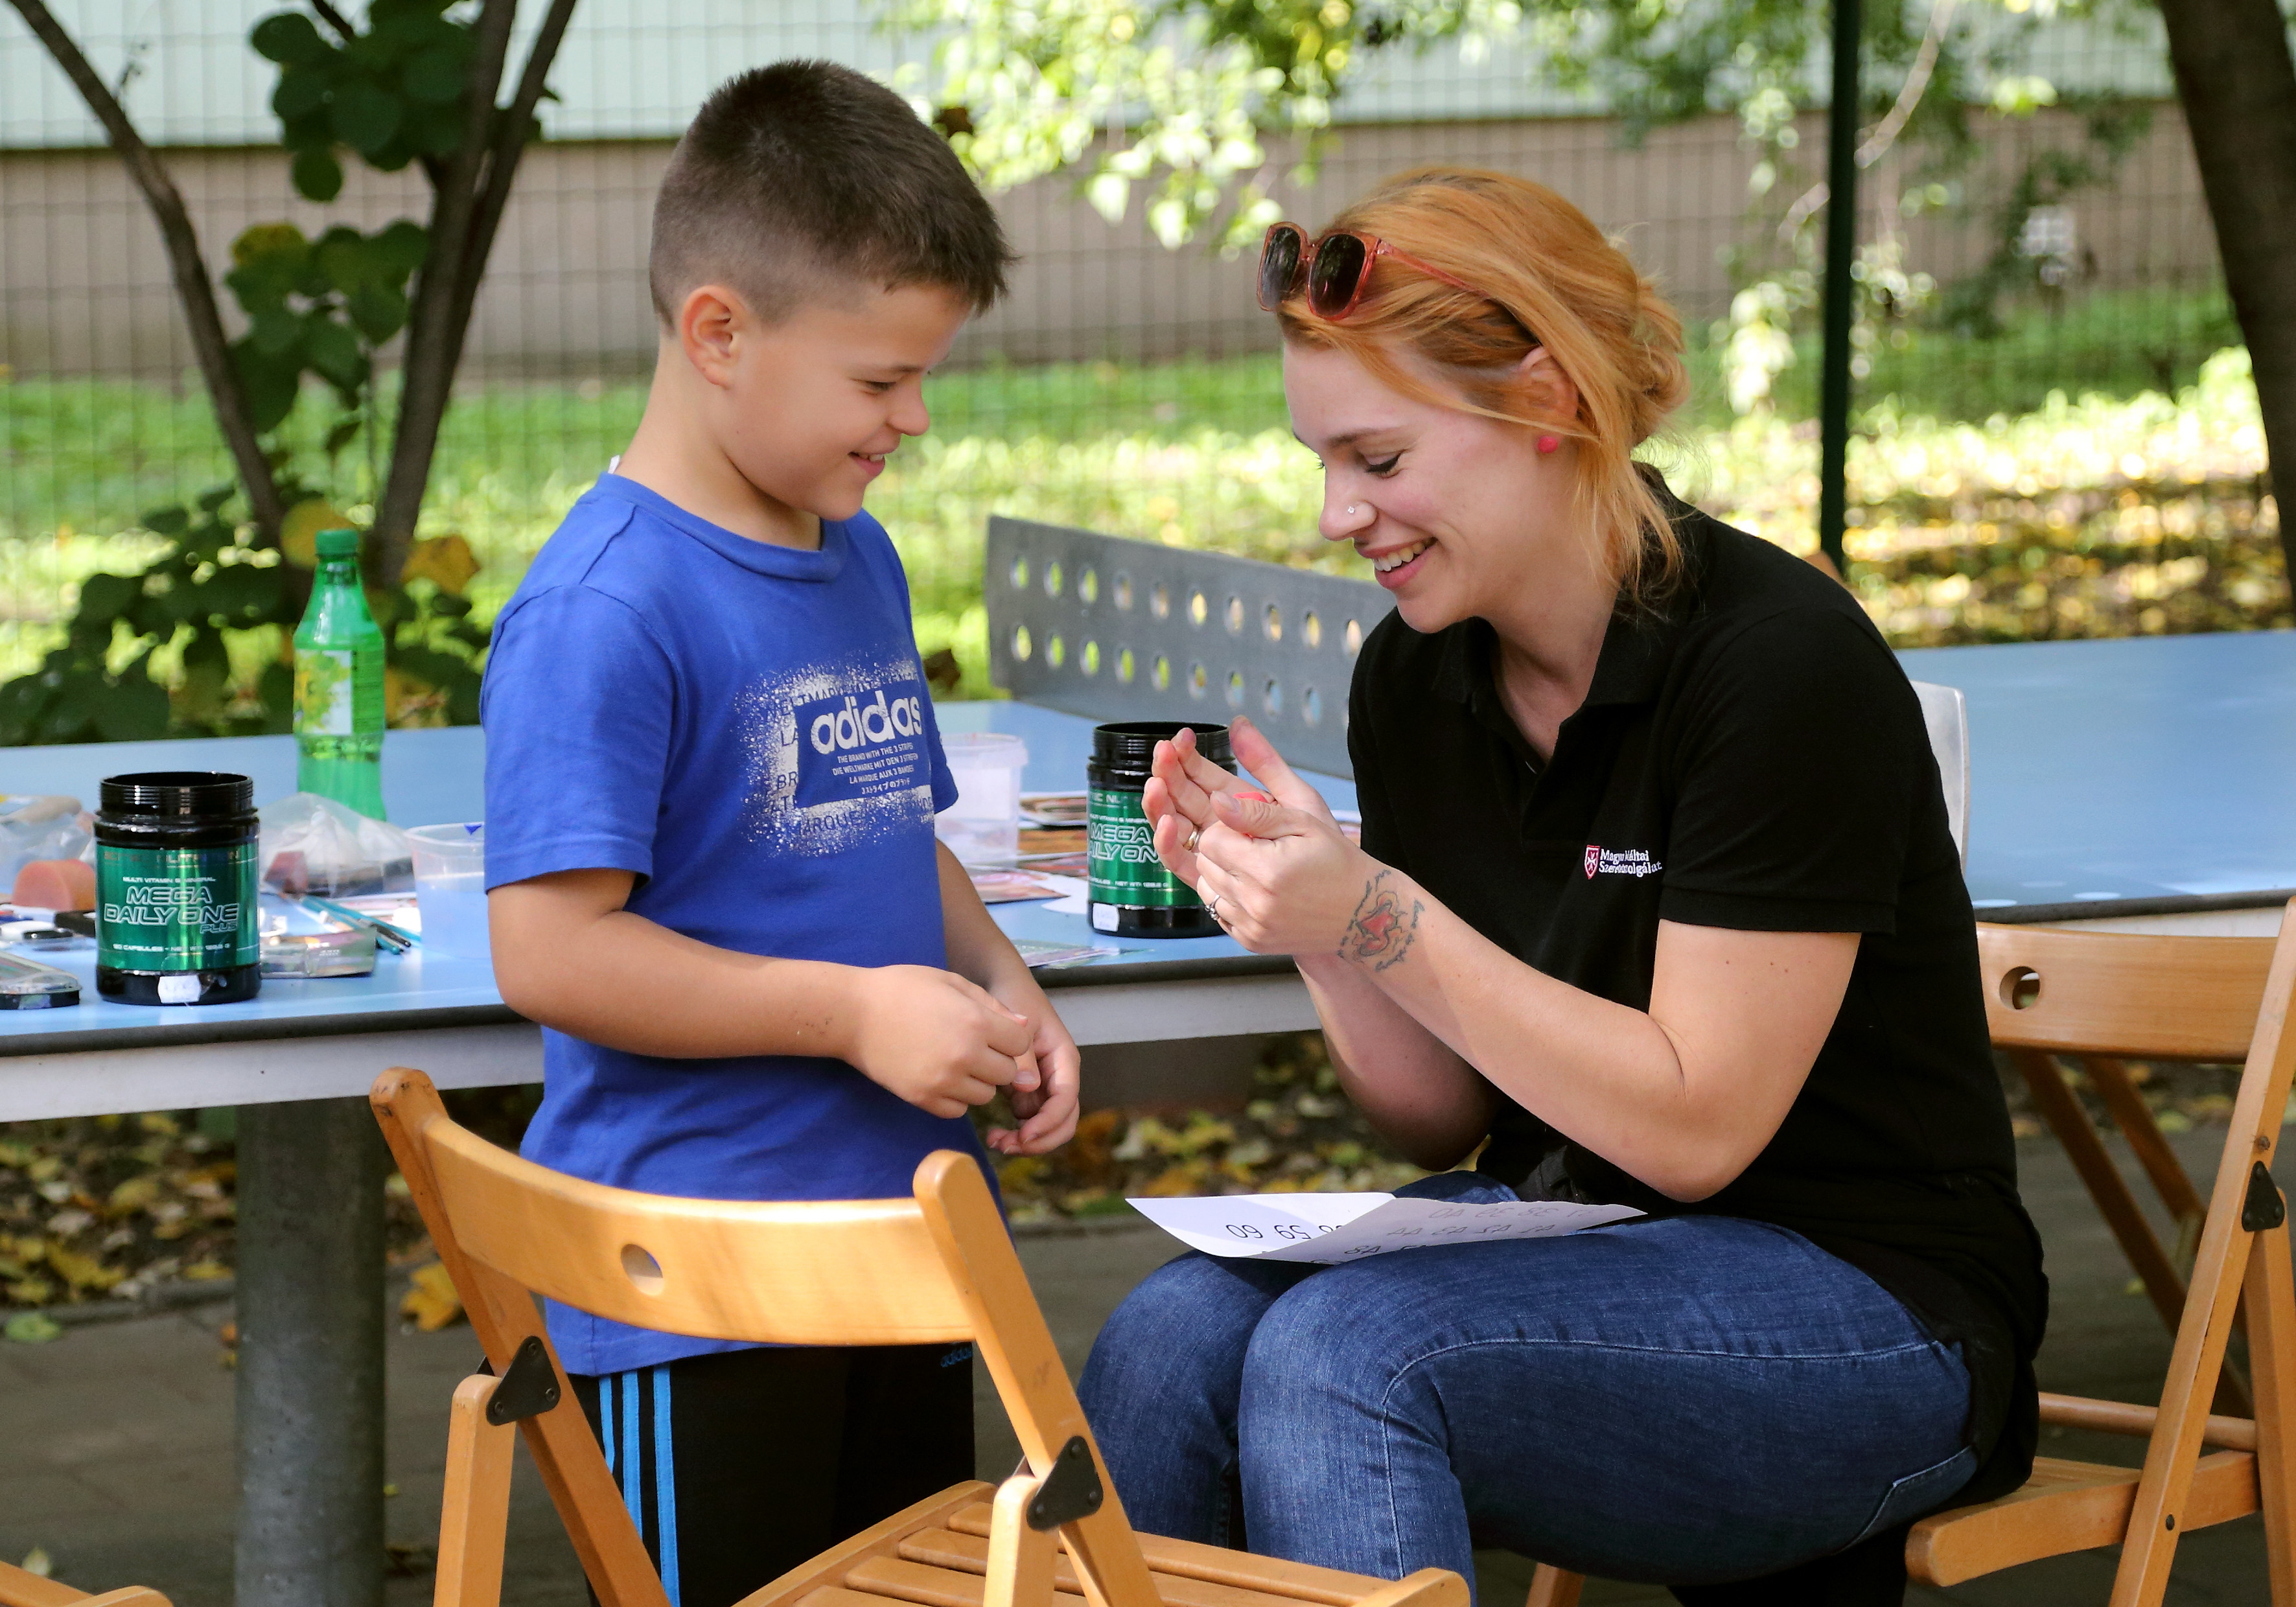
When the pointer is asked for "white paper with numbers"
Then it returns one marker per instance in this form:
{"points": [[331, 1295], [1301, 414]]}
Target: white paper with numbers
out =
{"points": [[1349, 1227]]}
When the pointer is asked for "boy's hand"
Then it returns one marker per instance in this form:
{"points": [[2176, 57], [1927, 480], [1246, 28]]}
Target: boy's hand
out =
{"points": [[939, 1041], [1045, 1095]]}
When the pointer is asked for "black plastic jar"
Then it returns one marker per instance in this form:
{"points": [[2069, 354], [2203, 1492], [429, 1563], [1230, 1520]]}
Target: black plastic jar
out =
{"points": [[175, 918], [1132, 894]]}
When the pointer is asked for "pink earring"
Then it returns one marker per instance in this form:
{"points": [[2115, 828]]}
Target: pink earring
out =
{"points": [[1548, 443]]}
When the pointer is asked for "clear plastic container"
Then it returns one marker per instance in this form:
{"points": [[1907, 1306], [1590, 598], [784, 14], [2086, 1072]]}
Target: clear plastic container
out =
{"points": [[450, 889], [983, 825]]}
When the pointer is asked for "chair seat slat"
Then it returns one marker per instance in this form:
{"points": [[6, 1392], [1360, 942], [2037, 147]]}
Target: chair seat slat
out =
{"points": [[1189, 1560], [898, 1579], [944, 1548], [2066, 1506], [827, 1596]]}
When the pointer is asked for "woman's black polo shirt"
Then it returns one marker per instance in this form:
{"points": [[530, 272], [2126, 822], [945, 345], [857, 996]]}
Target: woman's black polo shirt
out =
{"points": [[1754, 758]]}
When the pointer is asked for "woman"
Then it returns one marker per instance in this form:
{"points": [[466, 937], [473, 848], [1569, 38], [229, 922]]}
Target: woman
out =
{"points": [[1656, 903]]}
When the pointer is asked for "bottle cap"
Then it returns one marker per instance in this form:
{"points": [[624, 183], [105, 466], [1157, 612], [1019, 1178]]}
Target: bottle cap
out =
{"points": [[338, 544]]}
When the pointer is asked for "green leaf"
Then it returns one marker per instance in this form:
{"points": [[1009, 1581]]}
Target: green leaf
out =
{"points": [[344, 433], [32, 1328], [344, 258], [435, 130], [440, 74], [289, 38], [392, 155], [21, 702], [275, 690], [333, 349], [104, 595], [239, 596], [307, 132], [379, 310], [316, 175], [167, 521], [271, 385], [366, 116], [275, 331], [302, 91], [401, 247], [213, 499], [133, 709]]}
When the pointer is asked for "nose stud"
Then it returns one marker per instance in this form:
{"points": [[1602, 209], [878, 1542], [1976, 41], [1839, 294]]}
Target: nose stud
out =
{"points": [[1352, 509]]}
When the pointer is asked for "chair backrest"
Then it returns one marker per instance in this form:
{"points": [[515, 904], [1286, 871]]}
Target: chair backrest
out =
{"points": [[1945, 713], [937, 1266], [2147, 998], [770, 1274]]}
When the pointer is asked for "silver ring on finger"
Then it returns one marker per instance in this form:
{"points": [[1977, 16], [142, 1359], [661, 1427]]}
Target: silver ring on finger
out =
{"points": [[1194, 833], [1212, 909]]}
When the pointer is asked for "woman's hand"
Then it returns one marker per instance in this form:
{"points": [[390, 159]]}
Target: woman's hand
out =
{"points": [[1285, 881], [1179, 797]]}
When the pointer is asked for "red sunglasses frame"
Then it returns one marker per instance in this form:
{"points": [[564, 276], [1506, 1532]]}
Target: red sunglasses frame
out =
{"points": [[1374, 248]]}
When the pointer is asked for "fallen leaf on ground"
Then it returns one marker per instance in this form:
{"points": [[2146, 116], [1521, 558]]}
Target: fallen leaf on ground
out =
{"points": [[31, 1328], [431, 1303], [37, 1563]]}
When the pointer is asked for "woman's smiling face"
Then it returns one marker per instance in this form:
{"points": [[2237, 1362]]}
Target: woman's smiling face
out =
{"points": [[1459, 515]]}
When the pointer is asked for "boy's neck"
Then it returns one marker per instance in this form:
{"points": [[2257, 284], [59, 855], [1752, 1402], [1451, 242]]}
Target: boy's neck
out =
{"points": [[674, 455]]}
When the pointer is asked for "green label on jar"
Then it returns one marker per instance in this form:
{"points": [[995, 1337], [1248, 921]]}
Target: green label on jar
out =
{"points": [[1120, 852], [176, 909]]}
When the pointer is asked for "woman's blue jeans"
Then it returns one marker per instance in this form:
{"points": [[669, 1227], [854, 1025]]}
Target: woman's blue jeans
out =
{"points": [[1687, 1400]]}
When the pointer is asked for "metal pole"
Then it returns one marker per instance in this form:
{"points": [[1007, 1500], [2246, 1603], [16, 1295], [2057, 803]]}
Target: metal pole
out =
{"points": [[309, 1396], [1841, 254]]}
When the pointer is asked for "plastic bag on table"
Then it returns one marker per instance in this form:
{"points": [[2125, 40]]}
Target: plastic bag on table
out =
{"points": [[47, 826], [314, 845]]}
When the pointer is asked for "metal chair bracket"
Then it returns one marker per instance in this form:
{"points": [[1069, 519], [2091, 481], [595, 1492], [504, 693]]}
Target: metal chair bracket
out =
{"points": [[1071, 1491], [2264, 1208], [529, 1388]]}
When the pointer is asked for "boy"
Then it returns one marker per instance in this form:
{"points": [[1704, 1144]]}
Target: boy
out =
{"points": [[711, 774]]}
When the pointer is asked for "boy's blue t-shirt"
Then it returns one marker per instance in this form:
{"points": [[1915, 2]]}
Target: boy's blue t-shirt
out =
{"points": [[746, 727]]}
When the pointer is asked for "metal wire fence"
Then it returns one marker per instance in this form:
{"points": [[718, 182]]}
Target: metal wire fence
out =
{"points": [[1135, 390]]}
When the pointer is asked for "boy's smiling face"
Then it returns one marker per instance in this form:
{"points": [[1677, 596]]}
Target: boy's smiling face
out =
{"points": [[808, 409]]}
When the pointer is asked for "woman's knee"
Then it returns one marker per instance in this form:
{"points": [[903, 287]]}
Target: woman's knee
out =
{"points": [[1325, 1349], [1185, 1328]]}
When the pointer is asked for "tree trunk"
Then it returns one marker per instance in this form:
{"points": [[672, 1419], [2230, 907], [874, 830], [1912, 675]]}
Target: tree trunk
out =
{"points": [[427, 374], [193, 289], [425, 394], [2237, 81]]}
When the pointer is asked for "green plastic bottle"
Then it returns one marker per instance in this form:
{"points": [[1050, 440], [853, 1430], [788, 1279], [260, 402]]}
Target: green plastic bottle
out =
{"points": [[339, 712]]}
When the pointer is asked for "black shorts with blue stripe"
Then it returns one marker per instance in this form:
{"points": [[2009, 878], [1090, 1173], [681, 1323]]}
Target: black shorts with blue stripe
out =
{"points": [[739, 1465]]}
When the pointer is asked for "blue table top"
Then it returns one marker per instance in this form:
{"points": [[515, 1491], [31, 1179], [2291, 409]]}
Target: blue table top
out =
{"points": [[2114, 776], [2152, 774]]}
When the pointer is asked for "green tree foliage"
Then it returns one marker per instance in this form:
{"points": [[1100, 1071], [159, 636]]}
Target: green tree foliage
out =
{"points": [[1187, 92], [209, 616]]}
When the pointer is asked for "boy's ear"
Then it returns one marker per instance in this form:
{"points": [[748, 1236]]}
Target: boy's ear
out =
{"points": [[712, 322]]}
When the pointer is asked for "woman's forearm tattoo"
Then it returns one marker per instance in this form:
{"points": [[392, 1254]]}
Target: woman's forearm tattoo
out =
{"points": [[1381, 931]]}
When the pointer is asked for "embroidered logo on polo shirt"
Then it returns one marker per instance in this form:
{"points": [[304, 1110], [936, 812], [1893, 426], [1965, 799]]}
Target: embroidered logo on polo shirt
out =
{"points": [[1619, 861]]}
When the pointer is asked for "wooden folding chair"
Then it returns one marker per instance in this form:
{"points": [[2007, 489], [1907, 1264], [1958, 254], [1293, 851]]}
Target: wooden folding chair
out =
{"points": [[2107, 997], [2186, 1030], [19, 1588], [936, 1268]]}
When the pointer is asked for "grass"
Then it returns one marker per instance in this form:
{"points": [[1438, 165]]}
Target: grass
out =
{"points": [[1993, 507]]}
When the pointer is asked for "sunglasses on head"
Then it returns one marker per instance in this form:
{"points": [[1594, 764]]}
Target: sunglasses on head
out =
{"points": [[1335, 267]]}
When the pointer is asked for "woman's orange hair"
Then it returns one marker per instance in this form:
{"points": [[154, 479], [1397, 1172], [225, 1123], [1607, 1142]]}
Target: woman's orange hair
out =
{"points": [[1541, 265]]}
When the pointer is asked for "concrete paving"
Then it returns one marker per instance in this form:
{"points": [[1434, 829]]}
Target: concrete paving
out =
{"points": [[117, 1438]]}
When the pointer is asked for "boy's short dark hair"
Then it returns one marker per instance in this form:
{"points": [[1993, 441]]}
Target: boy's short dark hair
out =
{"points": [[803, 175]]}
